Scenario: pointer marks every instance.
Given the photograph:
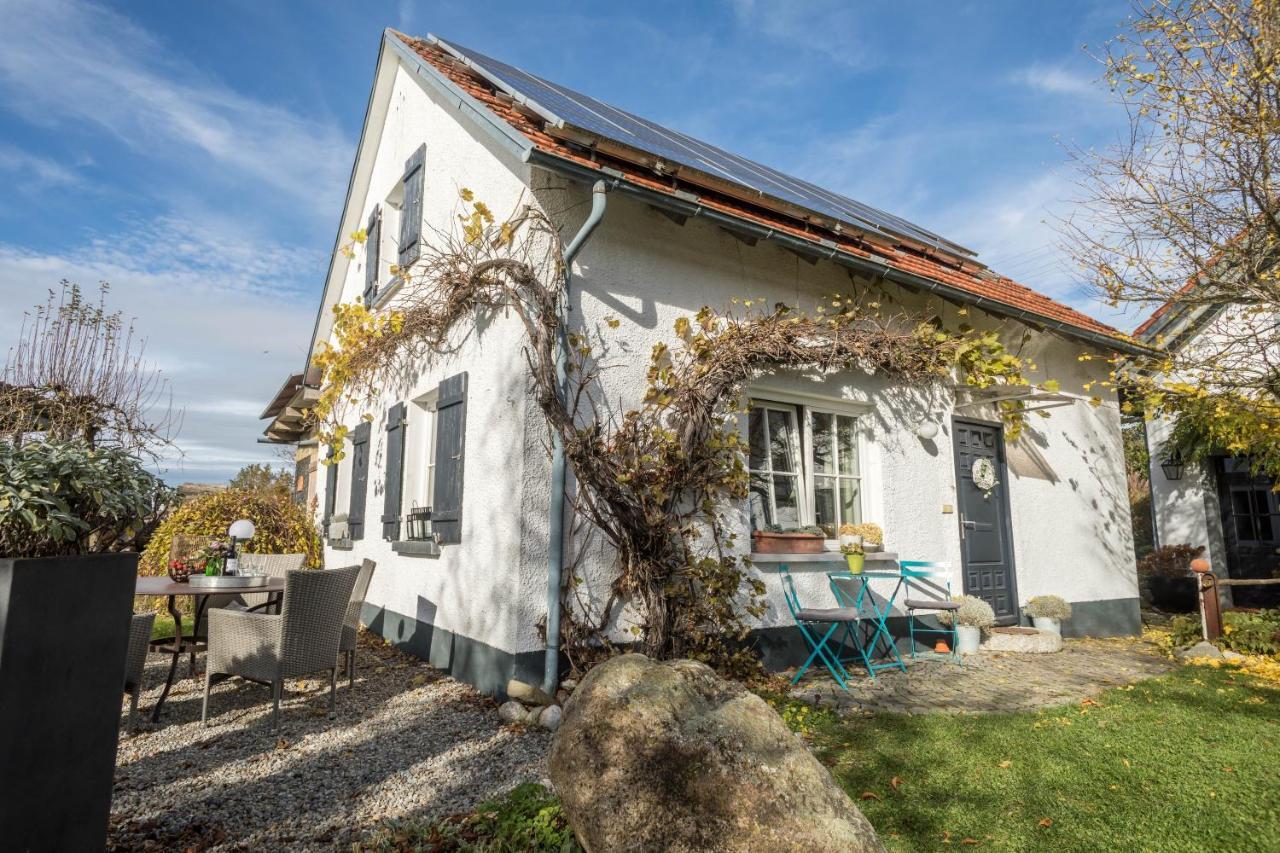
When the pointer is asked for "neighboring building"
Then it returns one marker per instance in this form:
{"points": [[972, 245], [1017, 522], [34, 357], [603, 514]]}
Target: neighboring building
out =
{"points": [[1215, 502], [688, 225], [289, 425]]}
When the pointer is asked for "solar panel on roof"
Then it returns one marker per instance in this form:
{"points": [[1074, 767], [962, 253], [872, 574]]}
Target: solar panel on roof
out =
{"points": [[567, 108]]}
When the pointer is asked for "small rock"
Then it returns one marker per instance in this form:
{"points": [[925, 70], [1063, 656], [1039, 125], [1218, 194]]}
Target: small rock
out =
{"points": [[528, 693], [531, 717], [1202, 649], [549, 718], [562, 696], [569, 684], [512, 712], [1227, 654]]}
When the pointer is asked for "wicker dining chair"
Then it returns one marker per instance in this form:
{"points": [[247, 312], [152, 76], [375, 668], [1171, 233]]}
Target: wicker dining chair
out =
{"points": [[136, 658], [268, 648], [275, 565], [351, 626]]}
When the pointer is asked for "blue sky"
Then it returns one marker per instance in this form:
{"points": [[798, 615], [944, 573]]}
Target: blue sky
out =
{"points": [[196, 155]]}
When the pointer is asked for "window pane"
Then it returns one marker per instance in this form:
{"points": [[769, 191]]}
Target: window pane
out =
{"points": [[850, 506], [1240, 502], [782, 442], [761, 514], [823, 460], [755, 431], [787, 498], [824, 504], [1244, 528], [1264, 528], [1260, 505], [848, 441]]}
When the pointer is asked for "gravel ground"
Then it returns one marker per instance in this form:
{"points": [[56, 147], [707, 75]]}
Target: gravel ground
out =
{"points": [[407, 742]]}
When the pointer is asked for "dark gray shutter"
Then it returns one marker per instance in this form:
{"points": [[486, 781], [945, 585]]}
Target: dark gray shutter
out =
{"points": [[411, 210], [451, 433], [330, 490], [395, 473], [372, 245], [359, 479]]}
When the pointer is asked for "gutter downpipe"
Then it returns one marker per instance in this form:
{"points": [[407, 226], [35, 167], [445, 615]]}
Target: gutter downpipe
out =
{"points": [[555, 556]]}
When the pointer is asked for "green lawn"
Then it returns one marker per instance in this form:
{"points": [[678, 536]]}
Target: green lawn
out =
{"points": [[163, 626], [1188, 761]]}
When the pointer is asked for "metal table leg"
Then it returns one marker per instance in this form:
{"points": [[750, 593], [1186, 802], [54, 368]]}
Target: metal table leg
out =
{"points": [[173, 664]]}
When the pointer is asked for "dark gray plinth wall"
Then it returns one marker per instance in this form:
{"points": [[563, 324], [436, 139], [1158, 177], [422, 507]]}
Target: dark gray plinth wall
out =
{"points": [[64, 632]]}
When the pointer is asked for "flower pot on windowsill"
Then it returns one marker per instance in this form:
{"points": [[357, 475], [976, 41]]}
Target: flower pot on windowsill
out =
{"points": [[872, 547], [768, 542], [856, 563]]}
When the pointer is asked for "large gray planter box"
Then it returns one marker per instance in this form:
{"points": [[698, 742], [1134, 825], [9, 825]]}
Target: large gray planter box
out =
{"points": [[64, 633]]}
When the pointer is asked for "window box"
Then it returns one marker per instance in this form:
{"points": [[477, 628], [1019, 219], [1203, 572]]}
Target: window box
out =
{"points": [[766, 542]]}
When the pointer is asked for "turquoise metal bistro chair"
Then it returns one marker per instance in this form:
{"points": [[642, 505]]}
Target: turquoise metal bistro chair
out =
{"points": [[928, 579], [810, 621]]}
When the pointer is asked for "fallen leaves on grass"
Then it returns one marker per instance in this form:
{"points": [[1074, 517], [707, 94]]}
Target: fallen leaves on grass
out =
{"points": [[1045, 822], [870, 795], [1005, 765], [895, 782]]}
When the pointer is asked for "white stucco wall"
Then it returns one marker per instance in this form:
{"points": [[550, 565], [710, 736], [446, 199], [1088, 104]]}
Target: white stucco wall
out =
{"points": [[470, 588]]}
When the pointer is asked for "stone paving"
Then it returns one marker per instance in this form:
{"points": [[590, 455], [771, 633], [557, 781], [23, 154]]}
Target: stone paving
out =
{"points": [[990, 682]]}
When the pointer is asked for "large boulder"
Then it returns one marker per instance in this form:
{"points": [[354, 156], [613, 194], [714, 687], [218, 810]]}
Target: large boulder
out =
{"points": [[669, 756]]}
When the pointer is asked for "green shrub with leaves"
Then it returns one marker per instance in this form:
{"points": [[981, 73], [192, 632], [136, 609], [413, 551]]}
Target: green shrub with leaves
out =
{"points": [[528, 818], [973, 612], [1047, 607], [61, 497], [1170, 561], [1243, 631], [282, 526]]}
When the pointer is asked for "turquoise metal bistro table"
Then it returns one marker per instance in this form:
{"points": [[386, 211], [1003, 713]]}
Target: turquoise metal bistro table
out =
{"points": [[861, 601], [868, 645]]}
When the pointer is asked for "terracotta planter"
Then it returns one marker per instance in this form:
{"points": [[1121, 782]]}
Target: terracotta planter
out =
{"points": [[764, 542]]}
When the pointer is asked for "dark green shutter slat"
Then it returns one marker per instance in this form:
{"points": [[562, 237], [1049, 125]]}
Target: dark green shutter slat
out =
{"points": [[451, 431], [330, 491], [372, 244], [395, 473], [411, 210], [359, 479]]}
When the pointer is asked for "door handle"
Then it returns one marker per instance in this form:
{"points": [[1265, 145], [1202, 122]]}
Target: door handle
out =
{"points": [[971, 525]]}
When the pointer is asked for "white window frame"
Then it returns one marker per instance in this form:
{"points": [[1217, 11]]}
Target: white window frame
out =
{"points": [[797, 452], [803, 405], [420, 456]]}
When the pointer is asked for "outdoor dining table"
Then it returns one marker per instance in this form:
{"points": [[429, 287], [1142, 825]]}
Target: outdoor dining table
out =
{"points": [[878, 636], [179, 644]]}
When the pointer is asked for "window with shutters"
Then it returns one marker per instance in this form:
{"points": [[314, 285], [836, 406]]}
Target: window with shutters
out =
{"points": [[450, 458], [420, 452], [410, 237], [359, 489], [373, 256]]}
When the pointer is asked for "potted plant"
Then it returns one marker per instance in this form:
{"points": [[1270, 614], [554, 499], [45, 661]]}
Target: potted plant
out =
{"points": [[848, 535], [970, 618], [794, 540], [1047, 612], [854, 556], [66, 507], [212, 558], [1166, 573], [872, 536]]}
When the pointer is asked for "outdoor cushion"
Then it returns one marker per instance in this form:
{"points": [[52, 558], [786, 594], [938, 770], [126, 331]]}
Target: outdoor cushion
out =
{"points": [[830, 614], [931, 604]]}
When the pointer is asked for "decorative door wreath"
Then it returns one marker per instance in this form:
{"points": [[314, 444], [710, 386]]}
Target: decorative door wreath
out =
{"points": [[984, 475]]}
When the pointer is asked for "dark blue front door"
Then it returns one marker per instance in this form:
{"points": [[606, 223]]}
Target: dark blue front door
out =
{"points": [[985, 545]]}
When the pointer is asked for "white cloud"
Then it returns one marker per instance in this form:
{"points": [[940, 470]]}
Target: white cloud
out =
{"points": [[1056, 80], [65, 63], [222, 315], [828, 27], [31, 171]]}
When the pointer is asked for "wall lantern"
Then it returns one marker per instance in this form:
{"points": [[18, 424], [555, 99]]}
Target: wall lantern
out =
{"points": [[926, 430], [417, 523], [1172, 466]]}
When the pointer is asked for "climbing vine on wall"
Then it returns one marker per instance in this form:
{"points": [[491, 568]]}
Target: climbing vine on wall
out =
{"points": [[659, 481]]}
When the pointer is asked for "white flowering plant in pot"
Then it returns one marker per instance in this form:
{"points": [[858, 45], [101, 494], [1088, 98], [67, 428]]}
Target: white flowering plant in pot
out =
{"points": [[970, 619], [1047, 612]]}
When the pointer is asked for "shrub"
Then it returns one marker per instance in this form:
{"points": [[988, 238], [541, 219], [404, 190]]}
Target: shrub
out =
{"points": [[973, 612], [1048, 607], [61, 497], [282, 527], [1243, 631], [1171, 561]]}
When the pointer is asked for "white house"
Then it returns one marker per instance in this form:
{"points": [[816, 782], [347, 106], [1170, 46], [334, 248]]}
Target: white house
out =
{"points": [[1215, 502], [686, 225]]}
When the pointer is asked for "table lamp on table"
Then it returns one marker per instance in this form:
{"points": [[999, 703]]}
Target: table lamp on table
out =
{"points": [[240, 531]]}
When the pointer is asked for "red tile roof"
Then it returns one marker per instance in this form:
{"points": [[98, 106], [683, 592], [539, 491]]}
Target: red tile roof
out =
{"points": [[977, 281]]}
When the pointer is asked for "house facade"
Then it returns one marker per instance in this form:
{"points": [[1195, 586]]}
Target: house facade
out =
{"points": [[684, 226], [1217, 501]]}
